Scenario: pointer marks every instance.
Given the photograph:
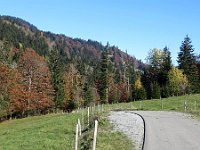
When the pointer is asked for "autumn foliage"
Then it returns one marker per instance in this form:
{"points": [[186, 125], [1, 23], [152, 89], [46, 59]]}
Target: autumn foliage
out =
{"points": [[33, 92]]}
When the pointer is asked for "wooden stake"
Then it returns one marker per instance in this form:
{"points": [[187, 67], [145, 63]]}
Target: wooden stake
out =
{"points": [[79, 125], [95, 135], [76, 140], [102, 108], [88, 116], [83, 119], [185, 105]]}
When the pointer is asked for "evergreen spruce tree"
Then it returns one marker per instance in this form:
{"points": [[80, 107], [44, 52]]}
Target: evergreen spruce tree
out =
{"points": [[166, 67], [56, 69], [147, 79], [103, 78], [87, 93], [156, 91], [131, 80], [187, 62]]}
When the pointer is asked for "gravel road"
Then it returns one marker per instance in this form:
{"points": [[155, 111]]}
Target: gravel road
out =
{"points": [[130, 124], [170, 131], [163, 130]]}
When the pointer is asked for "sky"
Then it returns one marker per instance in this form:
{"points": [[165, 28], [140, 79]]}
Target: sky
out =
{"points": [[133, 25]]}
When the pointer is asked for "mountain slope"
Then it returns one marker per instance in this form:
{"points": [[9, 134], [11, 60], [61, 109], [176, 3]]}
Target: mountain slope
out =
{"points": [[71, 66]]}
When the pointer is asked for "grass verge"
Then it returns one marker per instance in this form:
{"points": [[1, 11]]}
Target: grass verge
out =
{"points": [[108, 139]]}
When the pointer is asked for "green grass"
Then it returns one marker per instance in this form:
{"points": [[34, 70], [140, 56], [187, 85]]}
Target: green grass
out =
{"points": [[109, 139], [56, 132], [38, 133], [166, 104]]}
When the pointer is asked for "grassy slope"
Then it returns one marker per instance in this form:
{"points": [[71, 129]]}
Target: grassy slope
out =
{"points": [[38, 133], [169, 104], [173, 104], [55, 132]]}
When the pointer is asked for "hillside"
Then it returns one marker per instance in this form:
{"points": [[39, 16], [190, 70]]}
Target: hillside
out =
{"points": [[68, 68]]}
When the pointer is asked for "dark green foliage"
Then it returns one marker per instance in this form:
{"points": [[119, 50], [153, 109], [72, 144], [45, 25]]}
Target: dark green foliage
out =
{"points": [[117, 76], [87, 93], [187, 62], [103, 79], [165, 92], [157, 72], [166, 66], [156, 91], [140, 94], [71, 105], [56, 68], [163, 75], [131, 82], [198, 66], [147, 81], [10, 32]]}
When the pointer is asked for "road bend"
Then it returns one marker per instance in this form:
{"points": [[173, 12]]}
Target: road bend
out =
{"points": [[170, 131]]}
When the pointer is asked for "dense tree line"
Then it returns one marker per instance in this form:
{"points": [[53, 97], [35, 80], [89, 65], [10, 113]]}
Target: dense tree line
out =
{"points": [[42, 72]]}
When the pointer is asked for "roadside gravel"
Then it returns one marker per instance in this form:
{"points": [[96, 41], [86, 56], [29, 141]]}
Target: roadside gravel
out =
{"points": [[130, 124]]}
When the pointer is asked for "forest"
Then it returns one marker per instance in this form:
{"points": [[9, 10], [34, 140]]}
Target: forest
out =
{"points": [[42, 72]]}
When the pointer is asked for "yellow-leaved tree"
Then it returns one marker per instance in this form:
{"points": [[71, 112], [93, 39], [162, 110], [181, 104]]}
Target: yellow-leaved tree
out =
{"points": [[178, 82]]}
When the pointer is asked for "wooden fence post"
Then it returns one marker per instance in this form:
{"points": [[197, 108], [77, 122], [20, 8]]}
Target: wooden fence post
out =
{"points": [[101, 107], [82, 119], [88, 116], [185, 105], [79, 125], [98, 109], [95, 135], [76, 140]]}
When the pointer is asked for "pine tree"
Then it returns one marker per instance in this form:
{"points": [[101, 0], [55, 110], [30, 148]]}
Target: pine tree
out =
{"points": [[156, 91], [87, 93], [129, 76], [103, 79], [163, 75], [187, 62], [56, 69]]}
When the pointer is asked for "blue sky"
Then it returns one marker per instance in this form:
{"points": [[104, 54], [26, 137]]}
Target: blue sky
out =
{"points": [[133, 25]]}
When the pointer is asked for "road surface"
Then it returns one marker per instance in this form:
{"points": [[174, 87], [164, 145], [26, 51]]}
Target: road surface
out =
{"points": [[170, 131], [130, 124], [163, 130]]}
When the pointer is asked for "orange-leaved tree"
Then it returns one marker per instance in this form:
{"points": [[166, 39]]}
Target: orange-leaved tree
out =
{"points": [[33, 93]]}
